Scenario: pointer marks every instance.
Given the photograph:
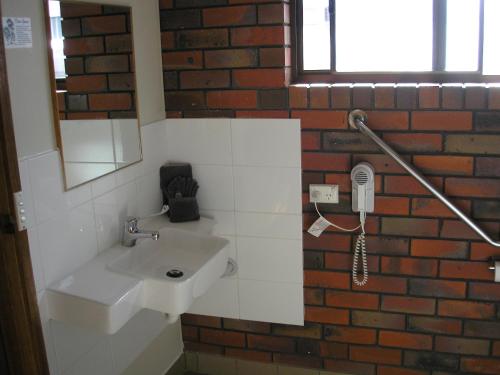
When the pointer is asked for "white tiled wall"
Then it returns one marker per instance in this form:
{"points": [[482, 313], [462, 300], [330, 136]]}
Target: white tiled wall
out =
{"points": [[66, 229], [250, 182]]}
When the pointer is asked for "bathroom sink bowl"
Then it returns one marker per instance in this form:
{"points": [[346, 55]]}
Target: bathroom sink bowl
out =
{"points": [[177, 268]]}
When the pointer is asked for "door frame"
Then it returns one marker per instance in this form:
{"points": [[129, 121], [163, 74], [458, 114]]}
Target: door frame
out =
{"points": [[23, 349]]}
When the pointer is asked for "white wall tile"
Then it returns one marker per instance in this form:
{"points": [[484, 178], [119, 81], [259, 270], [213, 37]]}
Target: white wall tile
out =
{"points": [[103, 184], [278, 302], [154, 146], [272, 143], [27, 193], [216, 365], [199, 141], [269, 225], [270, 259], [220, 300], [269, 190], [67, 241], [216, 187], [149, 198], [98, 361], [36, 259], [47, 334], [224, 221]]}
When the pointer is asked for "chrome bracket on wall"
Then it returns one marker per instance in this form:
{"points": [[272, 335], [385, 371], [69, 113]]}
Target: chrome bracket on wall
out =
{"points": [[358, 120]]}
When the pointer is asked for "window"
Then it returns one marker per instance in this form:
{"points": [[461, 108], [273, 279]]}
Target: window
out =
{"points": [[57, 39], [397, 40]]}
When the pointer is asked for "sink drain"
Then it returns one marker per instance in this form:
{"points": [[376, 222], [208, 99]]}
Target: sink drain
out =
{"points": [[175, 273]]}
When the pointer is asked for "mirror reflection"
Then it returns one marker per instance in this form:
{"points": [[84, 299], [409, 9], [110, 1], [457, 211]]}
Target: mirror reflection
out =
{"points": [[94, 83]]}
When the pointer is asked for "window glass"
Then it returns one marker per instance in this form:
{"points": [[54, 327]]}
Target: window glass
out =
{"points": [[316, 35], [384, 35], [491, 51], [57, 40]]}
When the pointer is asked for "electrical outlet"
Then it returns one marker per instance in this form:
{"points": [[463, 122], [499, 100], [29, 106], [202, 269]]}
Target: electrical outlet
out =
{"points": [[324, 193]]}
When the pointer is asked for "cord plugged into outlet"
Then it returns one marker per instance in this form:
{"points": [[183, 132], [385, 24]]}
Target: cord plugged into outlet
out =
{"points": [[323, 193]]}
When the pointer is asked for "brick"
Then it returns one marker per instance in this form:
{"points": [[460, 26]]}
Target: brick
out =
{"points": [[414, 142], [258, 36], [166, 4], [232, 99], [362, 96], [104, 25], [248, 355], [444, 165], [333, 350], [206, 79], [431, 207], [338, 280], [271, 343], [388, 120], [473, 144], [308, 347], [455, 269], [437, 288], [246, 326], [484, 291], [231, 58], [439, 248], [378, 320], [494, 98], [273, 99], [199, 3], [488, 167], [428, 97], [267, 114], [406, 97], [70, 27], [309, 330], [405, 340], [349, 367], [73, 65], [487, 209], [176, 100], [226, 338], [338, 298], [469, 187], [275, 57], [189, 333], [476, 97], [384, 97], [297, 360], [434, 325], [482, 329], [381, 163], [182, 60], [310, 140], [384, 370], [69, 10], [410, 305], [409, 185], [203, 348], [230, 16], [87, 115], [121, 82], [452, 97], [328, 242], [206, 38], [118, 43], [326, 315], [460, 230], [487, 121], [321, 119], [325, 161], [209, 113], [201, 320], [343, 141], [375, 355], [409, 266], [274, 13], [319, 97], [107, 64], [461, 345], [384, 284], [313, 259], [341, 97], [86, 83], [466, 309], [410, 227], [387, 245], [446, 120], [314, 296], [83, 46], [118, 101], [350, 335], [480, 365], [180, 19], [167, 40], [342, 261]]}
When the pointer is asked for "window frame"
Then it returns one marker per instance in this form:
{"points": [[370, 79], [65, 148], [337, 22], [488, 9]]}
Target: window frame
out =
{"points": [[438, 75]]}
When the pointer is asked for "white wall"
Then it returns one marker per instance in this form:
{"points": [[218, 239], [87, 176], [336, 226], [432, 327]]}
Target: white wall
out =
{"points": [[29, 82]]}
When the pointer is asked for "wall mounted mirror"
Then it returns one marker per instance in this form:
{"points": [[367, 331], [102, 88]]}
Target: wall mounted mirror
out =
{"points": [[93, 83]]}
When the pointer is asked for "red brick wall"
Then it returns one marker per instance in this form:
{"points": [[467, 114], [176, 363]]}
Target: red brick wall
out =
{"points": [[99, 62], [430, 306]]}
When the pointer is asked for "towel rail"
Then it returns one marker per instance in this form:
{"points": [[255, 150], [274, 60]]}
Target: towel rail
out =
{"points": [[358, 119]]}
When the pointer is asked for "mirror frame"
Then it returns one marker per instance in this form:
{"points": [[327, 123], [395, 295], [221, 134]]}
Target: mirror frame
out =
{"points": [[53, 92]]}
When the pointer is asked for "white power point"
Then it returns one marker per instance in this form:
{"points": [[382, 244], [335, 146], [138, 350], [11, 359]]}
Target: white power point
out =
{"points": [[324, 193]]}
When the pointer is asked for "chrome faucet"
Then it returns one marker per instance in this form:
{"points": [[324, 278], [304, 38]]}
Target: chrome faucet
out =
{"points": [[132, 233]]}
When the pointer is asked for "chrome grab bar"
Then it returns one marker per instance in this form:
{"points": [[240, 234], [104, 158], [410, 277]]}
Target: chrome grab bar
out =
{"points": [[358, 119]]}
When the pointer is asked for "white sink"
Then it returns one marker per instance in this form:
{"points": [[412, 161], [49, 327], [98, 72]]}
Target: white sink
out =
{"points": [[176, 269], [106, 292]]}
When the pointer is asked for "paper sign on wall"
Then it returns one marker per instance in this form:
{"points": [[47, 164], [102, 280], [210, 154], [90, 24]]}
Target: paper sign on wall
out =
{"points": [[17, 32]]}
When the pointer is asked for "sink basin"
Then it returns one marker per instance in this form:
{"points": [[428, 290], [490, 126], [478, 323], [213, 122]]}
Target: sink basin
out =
{"points": [[177, 268], [165, 275]]}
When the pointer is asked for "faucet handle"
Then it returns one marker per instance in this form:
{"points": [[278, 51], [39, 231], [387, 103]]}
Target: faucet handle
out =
{"points": [[131, 224]]}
